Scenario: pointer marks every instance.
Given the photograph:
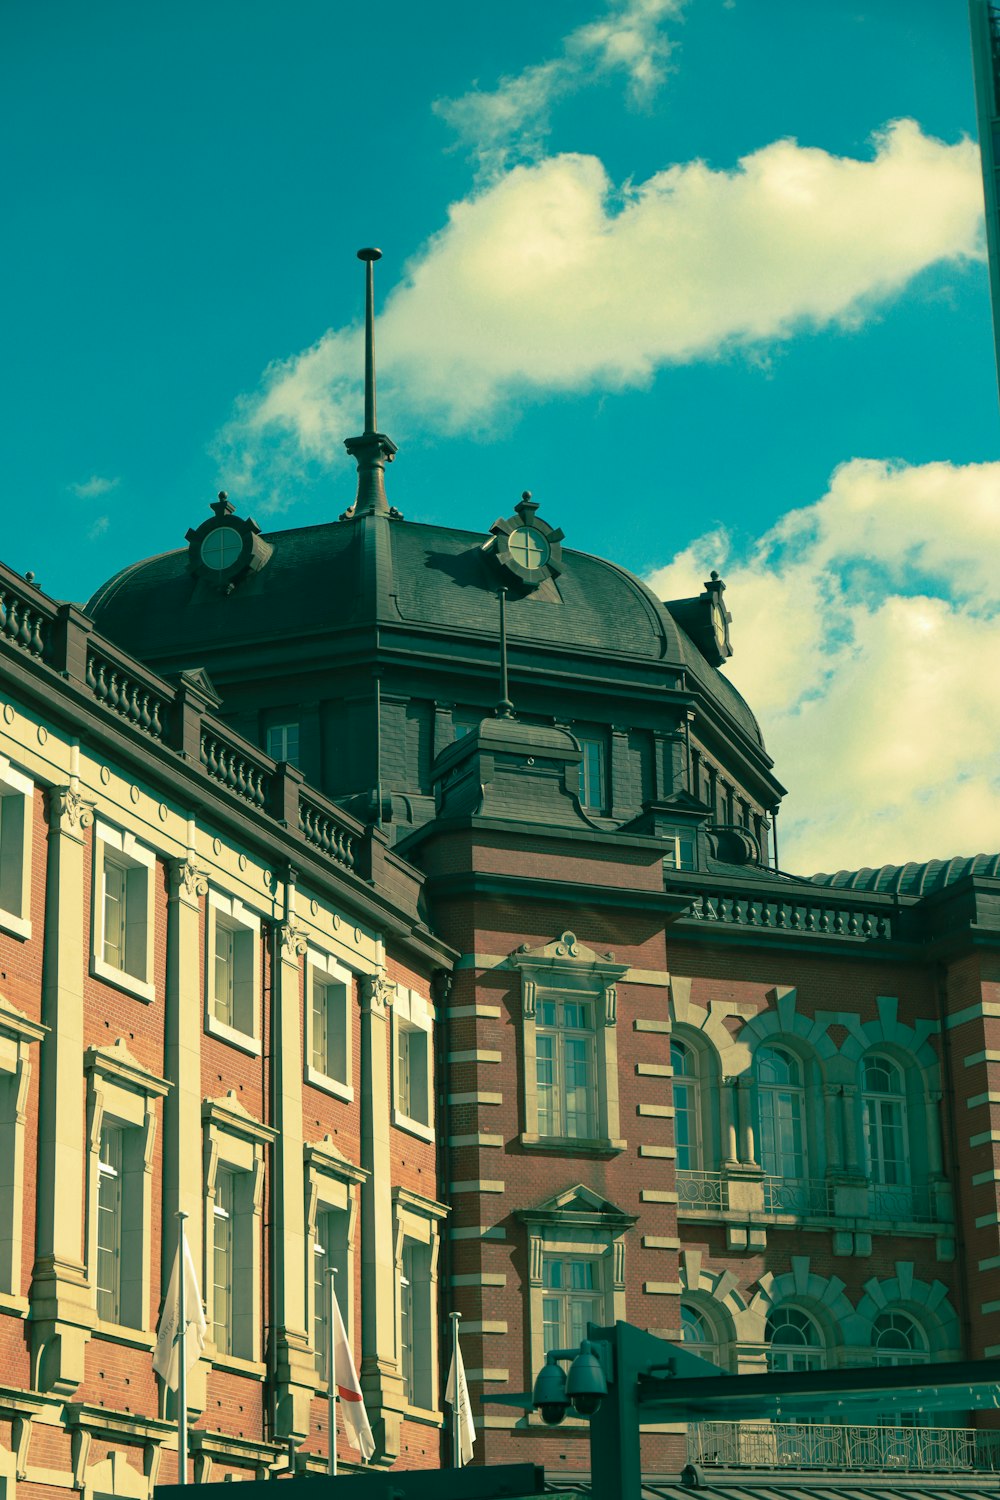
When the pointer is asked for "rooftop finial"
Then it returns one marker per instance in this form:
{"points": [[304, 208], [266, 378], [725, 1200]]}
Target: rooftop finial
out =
{"points": [[372, 450]]}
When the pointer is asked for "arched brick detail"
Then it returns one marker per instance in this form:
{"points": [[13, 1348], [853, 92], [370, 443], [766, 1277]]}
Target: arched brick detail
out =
{"points": [[823, 1296], [927, 1301], [731, 1055], [908, 1042], [782, 1019]]}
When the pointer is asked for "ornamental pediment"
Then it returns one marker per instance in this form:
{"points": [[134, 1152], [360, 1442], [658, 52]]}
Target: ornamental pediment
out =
{"points": [[568, 953], [580, 1205]]}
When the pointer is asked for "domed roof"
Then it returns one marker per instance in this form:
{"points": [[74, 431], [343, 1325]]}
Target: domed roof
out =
{"points": [[913, 879], [313, 584]]}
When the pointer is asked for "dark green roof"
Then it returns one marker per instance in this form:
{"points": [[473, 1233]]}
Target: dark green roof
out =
{"points": [[913, 879], [440, 578]]}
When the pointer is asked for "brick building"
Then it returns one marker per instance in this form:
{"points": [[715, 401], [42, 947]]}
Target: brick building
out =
{"points": [[309, 930]]}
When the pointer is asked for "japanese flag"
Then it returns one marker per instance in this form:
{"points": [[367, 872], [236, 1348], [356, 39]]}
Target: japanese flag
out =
{"points": [[355, 1417]]}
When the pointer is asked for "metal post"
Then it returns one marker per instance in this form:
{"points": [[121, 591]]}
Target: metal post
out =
{"points": [[456, 1415], [180, 1337], [505, 708], [369, 256], [331, 1379]]}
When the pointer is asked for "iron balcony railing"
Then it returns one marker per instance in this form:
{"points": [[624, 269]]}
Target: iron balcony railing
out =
{"points": [[913, 1203], [700, 1190], [791, 1195], [788, 1445]]}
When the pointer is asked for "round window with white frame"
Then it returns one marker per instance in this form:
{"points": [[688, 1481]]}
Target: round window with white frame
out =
{"points": [[221, 548], [528, 547]]}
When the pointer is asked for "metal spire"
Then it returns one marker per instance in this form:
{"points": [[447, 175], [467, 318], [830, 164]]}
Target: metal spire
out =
{"points": [[372, 450]]}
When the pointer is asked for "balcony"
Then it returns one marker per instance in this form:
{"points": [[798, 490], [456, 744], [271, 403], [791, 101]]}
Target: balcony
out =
{"points": [[789, 1445], [762, 1196], [800, 1196]]}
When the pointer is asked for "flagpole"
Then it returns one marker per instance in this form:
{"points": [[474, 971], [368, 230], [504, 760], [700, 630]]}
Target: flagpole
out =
{"points": [[181, 1337], [456, 1405], [331, 1374]]}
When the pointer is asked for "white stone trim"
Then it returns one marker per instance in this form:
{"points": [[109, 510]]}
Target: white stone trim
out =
{"points": [[15, 863], [325, 965], [240, 918]]}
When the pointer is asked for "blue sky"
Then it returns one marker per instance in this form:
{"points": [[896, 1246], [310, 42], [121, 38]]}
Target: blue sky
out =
{"points": [[675, 358]]}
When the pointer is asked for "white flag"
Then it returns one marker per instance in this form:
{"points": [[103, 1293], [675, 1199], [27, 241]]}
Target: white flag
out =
{"points": [[165, 1360], [348, 1389], [457, 1393]]}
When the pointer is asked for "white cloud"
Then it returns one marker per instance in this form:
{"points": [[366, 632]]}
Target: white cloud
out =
{"points": [[867, 635], [95, 486], [552, 280], [509, 123]]}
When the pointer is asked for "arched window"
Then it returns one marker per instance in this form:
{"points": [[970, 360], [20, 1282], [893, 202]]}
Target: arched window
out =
{"points": [[697, 1333], [687, 1107], [884, 1102], [898, 1340], [781, 1104], [793, 1340]]}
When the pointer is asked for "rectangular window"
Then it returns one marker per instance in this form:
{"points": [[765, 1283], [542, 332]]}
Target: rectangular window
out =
{"points": [[123, 911], [679, 853], [233, 948], [571, 1299], [330, 1249], [15, 830], [415, 1313], [412, 1063], [110, 1224], [565, 1068], [283, 742], [222, 1261], [330, 1019], [592, 777]]}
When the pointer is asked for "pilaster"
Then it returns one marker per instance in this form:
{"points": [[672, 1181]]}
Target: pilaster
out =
{"points": [[183, 1184], [295, 1369], [62, 1311], [380, 1378]]}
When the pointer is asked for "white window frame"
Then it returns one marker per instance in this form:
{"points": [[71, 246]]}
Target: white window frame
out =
{"points": [[678, 857], [281, 729], [118, 847], [237, 1143], [413, 1015], [17, 1033], [873, 1102], [332, 1184], [322, 969], [123, 1093], [16, 807], [566, 966], [417, 1221], [576, 1224], [229, 911], [596, 740], [561, 1035]]}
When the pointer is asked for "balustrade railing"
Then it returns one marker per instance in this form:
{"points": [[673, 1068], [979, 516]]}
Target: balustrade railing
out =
{"points": [[794, 915], [790, 1195], [24, 618], [323, 825], [125, 692], [231, 763], [789, 1445], [700, 1189]]}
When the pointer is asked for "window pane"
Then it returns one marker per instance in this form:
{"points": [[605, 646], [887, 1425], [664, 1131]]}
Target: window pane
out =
{"points": [[109, 1225], [283, 742], [225, 966], [222, 1260], [114, 914]]}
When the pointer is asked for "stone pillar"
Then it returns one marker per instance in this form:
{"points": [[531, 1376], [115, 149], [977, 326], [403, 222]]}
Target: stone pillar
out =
{"points": [[61, 1297], [381, 1382], [730, 1087], [183, 1023], [748, 1154], [294, 1364], [831, 1096], [852, 1157]]}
